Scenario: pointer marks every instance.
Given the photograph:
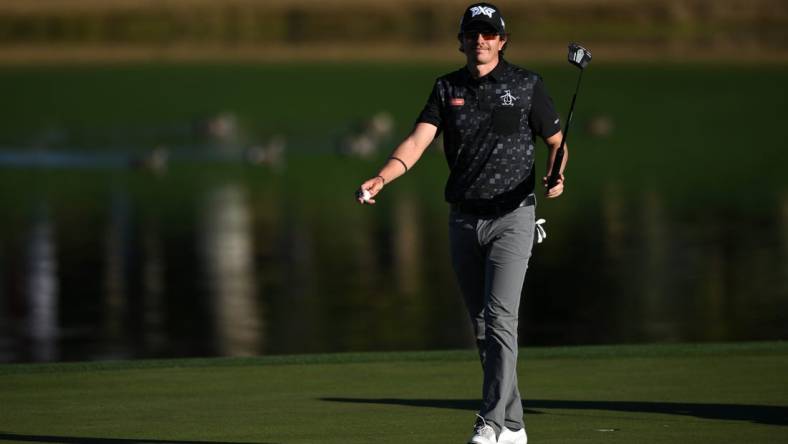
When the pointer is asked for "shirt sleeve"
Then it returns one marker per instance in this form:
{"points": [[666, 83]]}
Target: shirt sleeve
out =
{"points": [[432, 110], [543, 119]]}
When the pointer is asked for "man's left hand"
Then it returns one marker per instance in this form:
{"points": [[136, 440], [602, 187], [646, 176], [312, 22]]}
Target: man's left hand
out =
{"points": [[557, 189]]}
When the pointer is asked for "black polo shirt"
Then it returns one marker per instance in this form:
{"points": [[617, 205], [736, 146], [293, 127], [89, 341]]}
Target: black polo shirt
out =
{"points": [[489, 127]]}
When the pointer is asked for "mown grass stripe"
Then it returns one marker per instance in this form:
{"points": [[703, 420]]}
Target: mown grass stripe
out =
{"points": [[585, 352]]}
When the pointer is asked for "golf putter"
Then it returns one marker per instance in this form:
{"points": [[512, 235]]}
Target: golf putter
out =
{"points": [[579, 57]]}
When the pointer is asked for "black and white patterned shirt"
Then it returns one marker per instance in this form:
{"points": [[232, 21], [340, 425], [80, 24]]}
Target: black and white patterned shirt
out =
{"points": [[489, 126]]}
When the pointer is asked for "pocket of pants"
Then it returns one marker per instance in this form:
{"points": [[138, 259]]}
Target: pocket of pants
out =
{"points": [[506, 120]]}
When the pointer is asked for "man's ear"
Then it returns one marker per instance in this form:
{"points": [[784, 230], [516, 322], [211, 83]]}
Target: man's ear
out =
{"points": [[504, 40]]}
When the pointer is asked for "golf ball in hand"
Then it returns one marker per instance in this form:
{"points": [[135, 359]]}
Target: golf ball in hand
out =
{"points": [[365, 194]]}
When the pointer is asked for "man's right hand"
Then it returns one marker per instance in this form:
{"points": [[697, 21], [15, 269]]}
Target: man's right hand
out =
{"points": [[557, 189], [373, 186]]}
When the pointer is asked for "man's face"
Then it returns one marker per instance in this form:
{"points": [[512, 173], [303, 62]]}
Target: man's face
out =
{"points": [[482, 46]]}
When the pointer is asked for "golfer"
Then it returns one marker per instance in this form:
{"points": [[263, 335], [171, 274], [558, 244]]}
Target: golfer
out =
{"points": [[490, 113]]}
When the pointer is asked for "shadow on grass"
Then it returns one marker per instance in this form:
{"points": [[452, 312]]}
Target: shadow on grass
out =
{"points": [[84, 440], [760, 414]]}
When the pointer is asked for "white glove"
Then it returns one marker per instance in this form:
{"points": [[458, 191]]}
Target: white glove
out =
{"points": [[541, 234]]}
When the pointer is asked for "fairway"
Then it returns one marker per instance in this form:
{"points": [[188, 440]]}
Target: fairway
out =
{"points": [[657, 394]]}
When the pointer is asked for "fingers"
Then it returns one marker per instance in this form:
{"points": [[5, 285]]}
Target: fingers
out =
{"points": [[545, 179], [367, 191], [556, 190], [364, 196], [363, 201]]}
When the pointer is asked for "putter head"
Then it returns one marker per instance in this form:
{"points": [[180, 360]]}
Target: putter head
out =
{"points": [[579, 56]]}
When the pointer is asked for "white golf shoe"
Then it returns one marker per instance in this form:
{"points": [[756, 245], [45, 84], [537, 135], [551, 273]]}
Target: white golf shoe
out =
{"points": [[482, 433], [511, 437]]}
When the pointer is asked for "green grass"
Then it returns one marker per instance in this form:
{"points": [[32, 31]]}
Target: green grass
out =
{"points": [[658, 394]]}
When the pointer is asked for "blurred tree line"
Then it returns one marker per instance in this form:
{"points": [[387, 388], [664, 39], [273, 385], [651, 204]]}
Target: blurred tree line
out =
{"points": [[634, 28]]}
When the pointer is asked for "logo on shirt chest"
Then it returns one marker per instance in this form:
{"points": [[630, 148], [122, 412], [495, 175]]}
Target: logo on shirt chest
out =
{"points": [[508, 99], [458, 101]]}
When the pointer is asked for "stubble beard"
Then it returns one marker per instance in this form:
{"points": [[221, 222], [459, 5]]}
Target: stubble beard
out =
{"points": [[484, 57]]}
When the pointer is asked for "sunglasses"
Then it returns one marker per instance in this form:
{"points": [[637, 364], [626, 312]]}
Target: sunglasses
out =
{"points": [[474, 35]]}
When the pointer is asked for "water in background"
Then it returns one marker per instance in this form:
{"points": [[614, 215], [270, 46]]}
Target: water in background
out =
{"points": [[206, 250]]}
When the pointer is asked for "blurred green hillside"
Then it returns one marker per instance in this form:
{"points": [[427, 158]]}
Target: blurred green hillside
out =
{"points": [[69, 30]]}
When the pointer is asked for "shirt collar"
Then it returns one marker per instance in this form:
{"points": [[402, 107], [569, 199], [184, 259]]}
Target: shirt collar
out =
{"points": [[494, 76], [497, 73]]}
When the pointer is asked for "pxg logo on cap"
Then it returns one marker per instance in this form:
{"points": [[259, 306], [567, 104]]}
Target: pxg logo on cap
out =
{"points": [[482, 15], [486, 10]]}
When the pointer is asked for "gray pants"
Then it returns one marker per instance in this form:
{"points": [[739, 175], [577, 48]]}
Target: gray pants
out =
{"points": [[490, 257]]}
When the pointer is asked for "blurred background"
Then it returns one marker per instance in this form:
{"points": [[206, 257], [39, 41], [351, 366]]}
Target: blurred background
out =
{"points": [[177, 177]]}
